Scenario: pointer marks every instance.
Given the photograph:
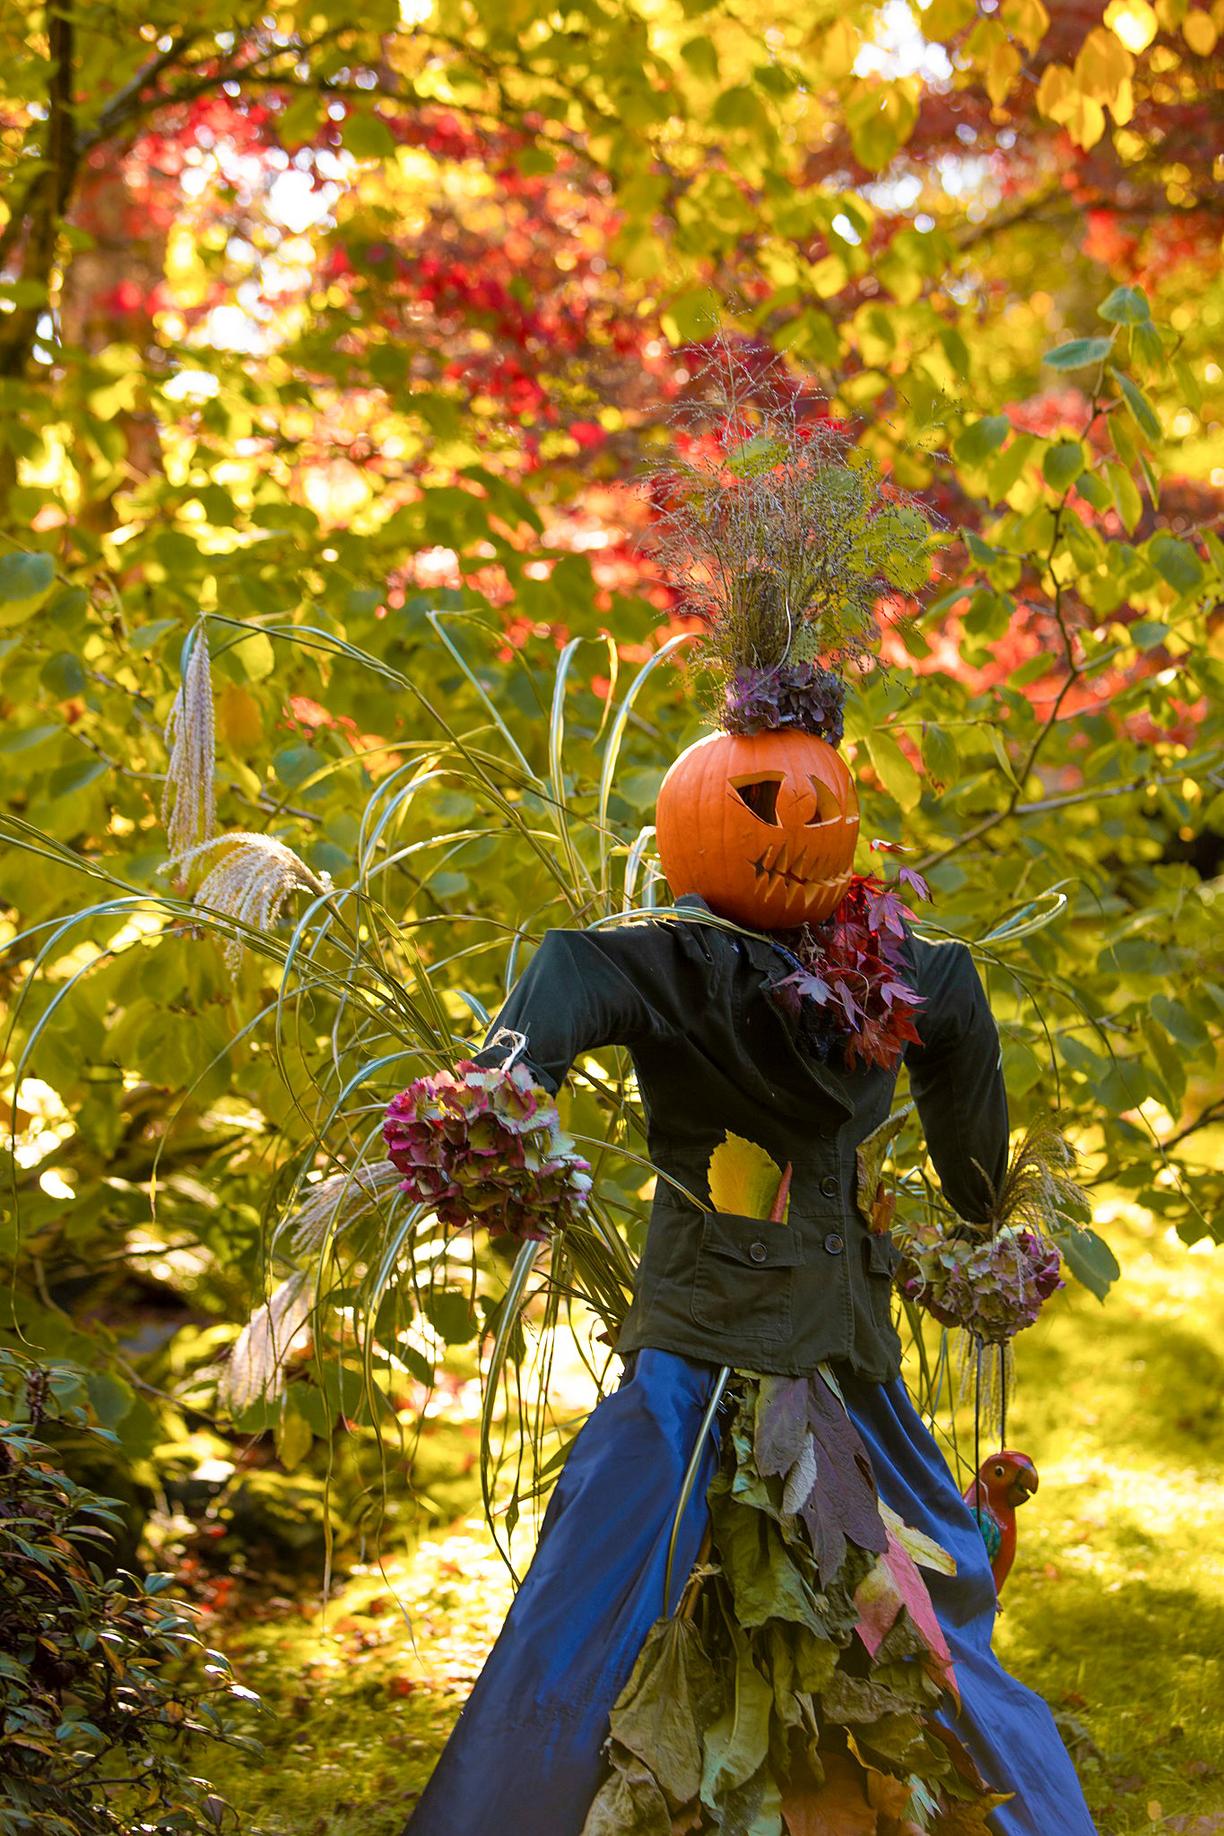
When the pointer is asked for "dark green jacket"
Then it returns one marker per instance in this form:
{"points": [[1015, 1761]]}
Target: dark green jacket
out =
{"points": [[714, 1052]]}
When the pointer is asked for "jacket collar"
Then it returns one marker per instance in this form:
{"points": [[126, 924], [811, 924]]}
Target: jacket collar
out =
{"points": [[773, 964]]}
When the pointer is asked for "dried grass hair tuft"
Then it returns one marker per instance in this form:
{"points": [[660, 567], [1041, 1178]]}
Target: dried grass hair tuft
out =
{"points": [[781, 535]]}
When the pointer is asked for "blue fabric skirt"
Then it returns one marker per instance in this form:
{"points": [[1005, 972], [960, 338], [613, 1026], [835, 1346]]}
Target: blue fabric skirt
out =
{"points": [[525, 1755]]}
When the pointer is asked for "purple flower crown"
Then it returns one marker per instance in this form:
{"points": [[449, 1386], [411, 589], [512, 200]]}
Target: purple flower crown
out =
{"points": [[802, 696]]}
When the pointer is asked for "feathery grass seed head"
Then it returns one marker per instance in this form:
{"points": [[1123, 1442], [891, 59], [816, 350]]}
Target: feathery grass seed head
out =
{"points": [[188, 807], [251, 883]]}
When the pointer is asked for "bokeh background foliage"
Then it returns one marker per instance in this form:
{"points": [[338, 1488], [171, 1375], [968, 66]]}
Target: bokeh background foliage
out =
{"points": [[349, 329]]}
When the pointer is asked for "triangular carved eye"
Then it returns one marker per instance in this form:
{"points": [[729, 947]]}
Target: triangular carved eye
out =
{"points": [[828, 809], [760, 795]]}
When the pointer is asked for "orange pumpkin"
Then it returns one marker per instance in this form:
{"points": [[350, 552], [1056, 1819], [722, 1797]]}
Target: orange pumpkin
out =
{"points": [[762, 826]]}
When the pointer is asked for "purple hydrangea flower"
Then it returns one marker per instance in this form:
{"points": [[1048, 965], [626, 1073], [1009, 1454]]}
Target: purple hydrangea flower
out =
{"points": [[486, 1147], [798, 695], [992, 1288]]}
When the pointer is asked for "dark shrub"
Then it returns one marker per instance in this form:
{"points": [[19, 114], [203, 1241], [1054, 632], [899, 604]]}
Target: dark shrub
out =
{"points": [[105, 1688]]}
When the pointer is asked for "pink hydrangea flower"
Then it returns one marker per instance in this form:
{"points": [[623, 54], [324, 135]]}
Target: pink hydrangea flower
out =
{"points": [[485, 1146]]}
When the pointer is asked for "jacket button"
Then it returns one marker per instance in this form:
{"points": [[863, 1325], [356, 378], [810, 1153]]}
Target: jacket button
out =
{"points": [[758, 1252], [834, 1244], [829, 1187]]}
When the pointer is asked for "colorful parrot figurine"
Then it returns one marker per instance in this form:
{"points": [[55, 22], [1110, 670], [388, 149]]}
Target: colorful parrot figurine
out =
{"points": [[1004, 1481]]}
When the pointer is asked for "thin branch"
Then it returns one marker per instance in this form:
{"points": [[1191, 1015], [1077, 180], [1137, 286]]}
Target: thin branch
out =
{"points": [[1214, 1112]]}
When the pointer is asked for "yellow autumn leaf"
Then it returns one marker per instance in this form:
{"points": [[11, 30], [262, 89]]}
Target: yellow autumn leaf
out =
{"points": [[1055, 91], [1102, 65], [1002, 69], [239, 718], [921, 1548], [744, 1178], [1200, 32], [1027, 20], [1133, 21]]}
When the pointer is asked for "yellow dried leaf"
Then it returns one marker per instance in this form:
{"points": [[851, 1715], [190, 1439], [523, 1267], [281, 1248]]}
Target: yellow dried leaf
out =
{"points": [[838, 48], [744, 1178], [923, 1550], [1002, 69]]}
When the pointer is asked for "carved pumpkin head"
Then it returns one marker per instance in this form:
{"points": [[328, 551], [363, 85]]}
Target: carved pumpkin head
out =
{"points": [[762, 826]]}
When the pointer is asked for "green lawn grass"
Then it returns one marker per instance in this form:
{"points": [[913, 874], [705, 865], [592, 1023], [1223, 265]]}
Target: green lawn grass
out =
{"points": [[1114, 1611]]}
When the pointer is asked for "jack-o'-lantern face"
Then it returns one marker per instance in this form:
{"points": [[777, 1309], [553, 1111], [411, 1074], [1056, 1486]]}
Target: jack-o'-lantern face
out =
{"points": [[761, 826]]}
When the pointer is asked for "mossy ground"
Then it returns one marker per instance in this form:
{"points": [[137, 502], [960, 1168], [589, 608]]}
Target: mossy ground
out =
{"points": [[1114, 1612]]}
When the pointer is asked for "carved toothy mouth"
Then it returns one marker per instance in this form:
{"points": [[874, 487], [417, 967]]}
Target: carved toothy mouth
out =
{"points": [[780, 867]]}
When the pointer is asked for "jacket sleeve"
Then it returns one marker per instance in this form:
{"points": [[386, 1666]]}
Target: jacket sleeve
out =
{"points": [[956, 1077], [580, 990]]}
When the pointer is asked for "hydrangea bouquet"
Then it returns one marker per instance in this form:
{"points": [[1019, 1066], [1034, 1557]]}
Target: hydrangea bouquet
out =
{"points": [[486, 1146]]}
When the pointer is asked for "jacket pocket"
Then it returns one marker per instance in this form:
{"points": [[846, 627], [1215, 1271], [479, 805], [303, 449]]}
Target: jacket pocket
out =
{"points": [[744, 1276], [882, 1254], [880, 1257]]}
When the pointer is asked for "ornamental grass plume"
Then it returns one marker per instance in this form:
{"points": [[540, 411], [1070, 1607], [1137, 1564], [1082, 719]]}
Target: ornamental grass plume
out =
{"points": [[331, 1204], [782, 537], [255, 1371], [251, 883], [188, 807], [1040, 1190]]}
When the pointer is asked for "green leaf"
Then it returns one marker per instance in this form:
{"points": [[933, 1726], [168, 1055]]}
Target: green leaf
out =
{"points": [[1176, 561], [1125, 306], [691, 316], [1126, 496], [1142, 412], [63, 675], [939, 753], [736, 1744], [24, 739], [984, 437], [143, 638], [982, 552], [1170, 1060], [1184, 1026], [702, 59], [893, 769], [1090, 1260], [1007, 468], [1094, 490], [1188, 383], [294, 1434], [1078, 353], [666, 1706], [25, 581], [296, 764], [944, 18], [1062, 463], [451, 1314], [76, 776], [367, 136], [1147, 346]]}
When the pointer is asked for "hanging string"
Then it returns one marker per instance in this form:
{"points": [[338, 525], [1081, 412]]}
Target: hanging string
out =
{"points": [[507, 1038], [1003, 1350], [977, 1437]]}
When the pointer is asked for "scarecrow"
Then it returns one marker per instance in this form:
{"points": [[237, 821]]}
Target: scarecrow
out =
{"points": [[759, 1602]]}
